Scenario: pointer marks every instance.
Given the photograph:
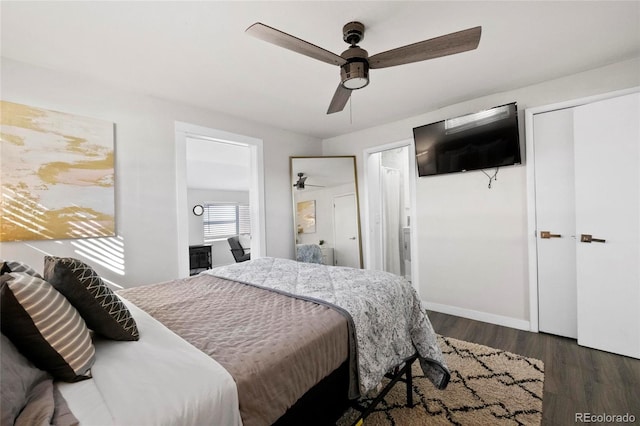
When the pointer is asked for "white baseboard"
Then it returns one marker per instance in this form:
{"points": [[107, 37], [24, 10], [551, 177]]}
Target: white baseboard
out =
{"points": [[479, 316]]}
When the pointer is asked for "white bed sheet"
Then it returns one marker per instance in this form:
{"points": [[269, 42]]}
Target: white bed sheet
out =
{"points": [[158, 380]]}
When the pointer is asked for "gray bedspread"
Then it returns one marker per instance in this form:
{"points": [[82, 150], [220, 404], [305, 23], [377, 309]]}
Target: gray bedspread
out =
{"points": [[390, 324]]}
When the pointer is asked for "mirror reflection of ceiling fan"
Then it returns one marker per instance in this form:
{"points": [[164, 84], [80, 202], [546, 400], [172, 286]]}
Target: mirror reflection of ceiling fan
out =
{"points": [[355, 62], [300, 184]]}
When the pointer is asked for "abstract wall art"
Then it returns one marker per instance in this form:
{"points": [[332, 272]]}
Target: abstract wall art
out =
{"points": [[306, 217], [56, 175]]}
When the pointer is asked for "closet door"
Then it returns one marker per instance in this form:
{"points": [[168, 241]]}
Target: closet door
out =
{"points": [[607, 180], [555, 222]]}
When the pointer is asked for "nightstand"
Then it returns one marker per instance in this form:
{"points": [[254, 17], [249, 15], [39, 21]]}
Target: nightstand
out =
{"points": [[327, 255]]}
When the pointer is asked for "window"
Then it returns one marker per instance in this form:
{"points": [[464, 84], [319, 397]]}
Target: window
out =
{"points": [[223, 220]]}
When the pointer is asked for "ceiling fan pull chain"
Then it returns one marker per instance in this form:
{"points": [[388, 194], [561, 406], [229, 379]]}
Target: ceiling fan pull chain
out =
{"points": [[351, 110]]}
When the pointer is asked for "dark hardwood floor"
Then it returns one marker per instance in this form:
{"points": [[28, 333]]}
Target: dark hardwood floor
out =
{"points": [[577, 379]]}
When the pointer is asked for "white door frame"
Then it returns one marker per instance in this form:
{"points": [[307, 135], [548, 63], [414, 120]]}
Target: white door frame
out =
{"points": [[531, 199], [415, 279], [256, 188]]}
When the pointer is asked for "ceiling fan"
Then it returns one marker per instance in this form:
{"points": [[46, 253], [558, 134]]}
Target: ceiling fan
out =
{"points": [[300, 184], [355, 61]]}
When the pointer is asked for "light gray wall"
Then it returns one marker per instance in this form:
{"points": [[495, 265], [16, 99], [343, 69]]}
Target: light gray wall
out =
{"points": [[472, 241], [146, 168]]}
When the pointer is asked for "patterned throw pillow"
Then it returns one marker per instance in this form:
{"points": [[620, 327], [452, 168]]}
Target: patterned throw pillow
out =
{"points": [[17, 266], [45, 327], [100, 307]]}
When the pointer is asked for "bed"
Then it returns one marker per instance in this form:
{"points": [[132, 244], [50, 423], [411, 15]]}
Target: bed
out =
{"points": [[256, 343]]}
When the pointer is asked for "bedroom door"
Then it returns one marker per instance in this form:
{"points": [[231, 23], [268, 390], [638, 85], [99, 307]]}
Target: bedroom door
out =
{"points": [[607, 173], [555, 223], [346, 244]]}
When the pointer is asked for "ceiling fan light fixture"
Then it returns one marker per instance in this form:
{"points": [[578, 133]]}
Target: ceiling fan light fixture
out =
{"points": [[355, 74]]}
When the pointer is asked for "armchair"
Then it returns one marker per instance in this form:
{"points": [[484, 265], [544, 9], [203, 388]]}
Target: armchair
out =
{"points": [[240, 254]]}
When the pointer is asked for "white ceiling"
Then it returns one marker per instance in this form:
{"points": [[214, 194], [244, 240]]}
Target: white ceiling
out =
{"points": [[197, 53]]}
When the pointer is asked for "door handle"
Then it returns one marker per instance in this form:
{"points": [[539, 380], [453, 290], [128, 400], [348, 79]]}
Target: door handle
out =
{"points": [[352, 238], [548, 234], [588, 238]]}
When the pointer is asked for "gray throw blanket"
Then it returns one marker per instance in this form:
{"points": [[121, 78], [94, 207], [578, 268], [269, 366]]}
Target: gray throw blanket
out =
{"points": [[387, 321], [29, 396]]}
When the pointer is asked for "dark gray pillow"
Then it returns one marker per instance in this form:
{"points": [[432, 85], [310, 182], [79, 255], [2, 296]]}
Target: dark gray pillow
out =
{"points": [[100, 307], [45, 327], [18, 379]]}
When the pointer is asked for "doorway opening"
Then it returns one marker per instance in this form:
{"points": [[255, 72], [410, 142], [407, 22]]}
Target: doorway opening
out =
{"points": [[218, 180], [206, 161], [390, 211]]}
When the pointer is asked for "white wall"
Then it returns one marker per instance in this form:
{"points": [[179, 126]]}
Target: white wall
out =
{"points": [[473, 240], [145, 168]]}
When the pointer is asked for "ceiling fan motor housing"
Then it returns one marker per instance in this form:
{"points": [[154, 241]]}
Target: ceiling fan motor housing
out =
{"points": [[353, 33]]}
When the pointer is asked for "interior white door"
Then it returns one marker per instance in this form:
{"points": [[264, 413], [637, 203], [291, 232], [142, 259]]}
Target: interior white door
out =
{"points": [[555, 222], [607, 171], [346, 245]]}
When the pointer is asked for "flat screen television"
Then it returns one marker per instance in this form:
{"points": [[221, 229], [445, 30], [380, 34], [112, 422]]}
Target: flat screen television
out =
{"points": [[483, 140]]}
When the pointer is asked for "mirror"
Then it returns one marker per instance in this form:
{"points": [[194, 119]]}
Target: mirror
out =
{"points": [[326, 208]]}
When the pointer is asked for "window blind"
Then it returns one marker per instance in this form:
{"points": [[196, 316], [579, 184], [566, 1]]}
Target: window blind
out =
{"points": [[224, 220]]}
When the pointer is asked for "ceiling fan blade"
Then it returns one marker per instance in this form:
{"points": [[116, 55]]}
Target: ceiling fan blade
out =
{"points": [[339, 100], [279, 38], [448, 44]]}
